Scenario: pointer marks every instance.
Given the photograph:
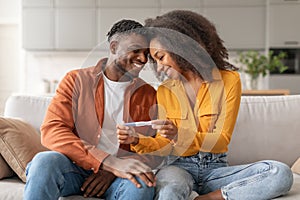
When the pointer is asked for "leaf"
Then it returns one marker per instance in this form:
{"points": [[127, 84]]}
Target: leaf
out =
{"points": [[257, 63]]}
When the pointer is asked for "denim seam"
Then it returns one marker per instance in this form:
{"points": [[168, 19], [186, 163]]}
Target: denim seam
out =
{"points": [[260, 176]]}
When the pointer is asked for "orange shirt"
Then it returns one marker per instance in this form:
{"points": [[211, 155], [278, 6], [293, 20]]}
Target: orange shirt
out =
{"points": [[74, 118], [207, 127]]}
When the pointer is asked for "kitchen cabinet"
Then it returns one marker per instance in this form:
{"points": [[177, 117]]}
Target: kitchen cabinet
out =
{"points": [[241, 24], [169, 5], [285, 81], [284, 18], [128, 4], [59, 24], [79, 35], [37, 3], [38, 28]]}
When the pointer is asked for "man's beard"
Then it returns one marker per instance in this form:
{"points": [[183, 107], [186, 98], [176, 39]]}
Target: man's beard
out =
{"points": [[126, 73]]}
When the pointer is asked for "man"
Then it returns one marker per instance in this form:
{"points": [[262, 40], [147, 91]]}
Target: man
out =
{"points": [[80, 127]]}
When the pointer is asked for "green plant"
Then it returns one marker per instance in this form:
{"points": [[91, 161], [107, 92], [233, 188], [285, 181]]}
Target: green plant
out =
{"points": [[257, 63]]}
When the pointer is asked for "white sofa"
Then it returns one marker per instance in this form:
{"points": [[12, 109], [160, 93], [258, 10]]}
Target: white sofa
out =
{"points": [[268, 127]]}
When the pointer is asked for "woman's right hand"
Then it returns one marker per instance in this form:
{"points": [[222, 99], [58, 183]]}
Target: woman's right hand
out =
{"points": [[166, 128], [130, 169]]}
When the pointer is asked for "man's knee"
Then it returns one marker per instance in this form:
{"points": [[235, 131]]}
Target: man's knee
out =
{"points": [[47, 161], [127, 190]]}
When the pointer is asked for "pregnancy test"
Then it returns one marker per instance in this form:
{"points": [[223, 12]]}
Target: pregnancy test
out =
{"points": [[142, 123]]}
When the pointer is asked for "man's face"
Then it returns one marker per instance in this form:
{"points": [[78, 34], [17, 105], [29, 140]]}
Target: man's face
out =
{"points": [[131, 53]]}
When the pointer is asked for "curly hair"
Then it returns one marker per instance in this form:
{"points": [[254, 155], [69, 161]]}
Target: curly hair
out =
{"points": [[192, 41], [125, 26]]}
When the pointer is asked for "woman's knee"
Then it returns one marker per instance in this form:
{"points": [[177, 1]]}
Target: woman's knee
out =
{"points": [[283, 175], [173, 181], [175, 175]]}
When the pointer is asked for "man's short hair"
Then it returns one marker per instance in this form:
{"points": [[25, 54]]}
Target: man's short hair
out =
{"points": [[125, 26]]}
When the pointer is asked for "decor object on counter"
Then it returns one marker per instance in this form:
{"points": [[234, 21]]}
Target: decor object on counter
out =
{"points": [[256, 64]]}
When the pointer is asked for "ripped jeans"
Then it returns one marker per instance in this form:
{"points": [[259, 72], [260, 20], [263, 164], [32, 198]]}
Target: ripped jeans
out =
{"points": [[207, 172]]}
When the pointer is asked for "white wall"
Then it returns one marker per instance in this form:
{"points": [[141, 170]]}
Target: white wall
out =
{"points": [[10, 11], [10, 47]]}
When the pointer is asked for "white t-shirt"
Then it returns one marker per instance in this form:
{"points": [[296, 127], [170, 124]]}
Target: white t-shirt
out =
{"points": [[113, 114]]}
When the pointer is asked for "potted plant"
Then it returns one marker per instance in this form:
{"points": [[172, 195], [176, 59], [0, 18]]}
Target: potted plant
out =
{"points": [[256, 64]]}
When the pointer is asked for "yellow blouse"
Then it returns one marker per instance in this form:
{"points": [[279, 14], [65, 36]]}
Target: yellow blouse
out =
{"points": [[207, 127]]}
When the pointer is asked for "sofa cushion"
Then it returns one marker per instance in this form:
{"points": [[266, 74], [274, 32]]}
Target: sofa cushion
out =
{"points": [[296, 167], [267, 128], [29, 108], [5, 170], [19, 142]]}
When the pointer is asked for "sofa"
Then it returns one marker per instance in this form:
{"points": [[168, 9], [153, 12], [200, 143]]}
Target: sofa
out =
{"points": [[268, 127]]}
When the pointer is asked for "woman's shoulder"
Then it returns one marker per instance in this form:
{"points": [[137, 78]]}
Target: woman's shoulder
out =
{"points": [[230, 76], [168, 85]]}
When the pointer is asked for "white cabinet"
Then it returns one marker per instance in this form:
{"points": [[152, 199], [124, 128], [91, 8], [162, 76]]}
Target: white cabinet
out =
{"points": [[193, 5], [106, 19], [241, 24], [128, 4], [38, 28], [284, 23], [75, 28], [37, 3], [59, 24], [74, 3]]}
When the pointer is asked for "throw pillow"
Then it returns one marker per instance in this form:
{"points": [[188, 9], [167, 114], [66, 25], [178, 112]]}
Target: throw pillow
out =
{"points": [[19, 142], [296, 167], [5, 170]]}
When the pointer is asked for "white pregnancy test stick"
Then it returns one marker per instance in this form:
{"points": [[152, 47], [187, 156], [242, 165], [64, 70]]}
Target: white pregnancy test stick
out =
{"points": [[142, 123]]}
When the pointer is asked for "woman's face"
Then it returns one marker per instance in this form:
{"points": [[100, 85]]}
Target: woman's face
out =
{"points": [[164, 60]]}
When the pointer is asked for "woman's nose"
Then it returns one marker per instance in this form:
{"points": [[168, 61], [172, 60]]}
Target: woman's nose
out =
{"points": [[160, 67]]}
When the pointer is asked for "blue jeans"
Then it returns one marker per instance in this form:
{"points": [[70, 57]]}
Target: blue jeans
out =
{"points": [[51, 175], [207, 172]]}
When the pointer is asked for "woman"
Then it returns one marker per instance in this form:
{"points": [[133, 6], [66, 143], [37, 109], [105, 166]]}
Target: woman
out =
{"points": [[198, 107]]}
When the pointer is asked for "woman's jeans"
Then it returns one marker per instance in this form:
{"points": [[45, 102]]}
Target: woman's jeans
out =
{"points": [[207, 172], [51, 175]]}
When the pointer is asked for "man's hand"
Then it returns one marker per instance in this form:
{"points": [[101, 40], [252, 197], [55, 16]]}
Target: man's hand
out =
{"points": [[130, 169], [166, 128], [127, 135], [97, 184]]}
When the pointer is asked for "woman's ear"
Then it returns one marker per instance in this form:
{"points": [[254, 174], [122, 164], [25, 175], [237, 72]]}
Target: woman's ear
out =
{"points": [[113, 47]]}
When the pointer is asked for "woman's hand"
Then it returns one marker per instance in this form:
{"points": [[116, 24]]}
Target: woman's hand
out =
{"points": [[166, 128], [127, 135]]}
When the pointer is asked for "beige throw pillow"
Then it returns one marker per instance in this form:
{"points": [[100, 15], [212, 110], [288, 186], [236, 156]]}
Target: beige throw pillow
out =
{"points": [[296, 167], [5, 170], [19, 142]]}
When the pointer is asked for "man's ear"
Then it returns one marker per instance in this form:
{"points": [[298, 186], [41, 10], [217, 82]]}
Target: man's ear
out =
{"points": [[113, 47]]}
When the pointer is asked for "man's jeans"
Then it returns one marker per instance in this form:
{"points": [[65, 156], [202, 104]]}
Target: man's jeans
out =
{"points": [[51, 175], [207, 172]]}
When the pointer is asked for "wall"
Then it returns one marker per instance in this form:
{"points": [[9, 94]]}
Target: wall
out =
{"points": [[41, 67], [10, 49]]}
